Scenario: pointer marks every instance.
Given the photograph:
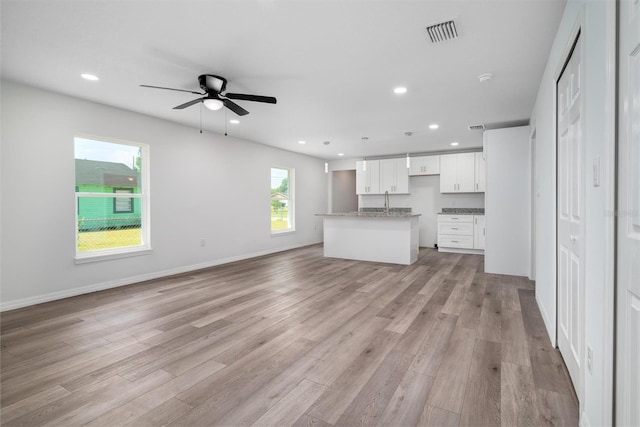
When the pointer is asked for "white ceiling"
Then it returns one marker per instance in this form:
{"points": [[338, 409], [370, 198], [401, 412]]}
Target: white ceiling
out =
{"points": [[331, 64]]}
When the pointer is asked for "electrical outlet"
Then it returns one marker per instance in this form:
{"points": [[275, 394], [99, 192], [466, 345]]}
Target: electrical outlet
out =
{"points": [[590, 360], [203, 242]]}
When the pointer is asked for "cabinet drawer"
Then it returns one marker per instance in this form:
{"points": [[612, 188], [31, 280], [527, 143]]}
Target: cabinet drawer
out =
{"points": [[455, 241], [455, 218], [455, 228]]}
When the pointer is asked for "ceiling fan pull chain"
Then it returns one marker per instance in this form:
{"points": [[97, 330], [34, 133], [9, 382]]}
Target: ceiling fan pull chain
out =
{"points": [[225, 122], [201, 117]]}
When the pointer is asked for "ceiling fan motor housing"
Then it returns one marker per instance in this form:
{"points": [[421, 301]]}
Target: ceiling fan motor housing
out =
{"points": [[210, 83]]}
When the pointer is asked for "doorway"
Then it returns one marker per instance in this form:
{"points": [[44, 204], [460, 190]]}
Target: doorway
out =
{"points": [[570, 219], [343, 191]]}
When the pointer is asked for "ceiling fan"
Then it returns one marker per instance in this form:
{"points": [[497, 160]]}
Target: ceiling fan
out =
{"points": [[214, 99]]}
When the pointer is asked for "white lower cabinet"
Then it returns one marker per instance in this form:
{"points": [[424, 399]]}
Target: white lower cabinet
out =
{"points": [[461, 233], [479, 232]]}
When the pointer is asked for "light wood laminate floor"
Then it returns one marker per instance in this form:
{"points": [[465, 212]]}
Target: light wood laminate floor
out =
{"points": [[291, 339]]}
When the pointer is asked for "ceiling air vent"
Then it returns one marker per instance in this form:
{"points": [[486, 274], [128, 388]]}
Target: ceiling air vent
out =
{"points": [[442, 31], [476, 127]]}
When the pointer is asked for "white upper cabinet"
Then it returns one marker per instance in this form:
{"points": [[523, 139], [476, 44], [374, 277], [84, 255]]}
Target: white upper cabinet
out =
{"points": [[480, 173], [425, 165], [457, 173], [368, 178], [394, 176]]}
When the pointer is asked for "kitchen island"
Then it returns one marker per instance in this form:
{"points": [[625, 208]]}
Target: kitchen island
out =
{"points": [[372, 236]]}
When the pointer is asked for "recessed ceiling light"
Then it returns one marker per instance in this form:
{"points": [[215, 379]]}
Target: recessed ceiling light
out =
{"points": [[454, 143], [434, 126], [89, 77], [340, 154], [400, 90], [302, 142], [234, 121], [485, 77]]}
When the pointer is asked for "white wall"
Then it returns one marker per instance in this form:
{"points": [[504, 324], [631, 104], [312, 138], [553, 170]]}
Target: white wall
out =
{"points": [[507, 201], [597, 19], [203, 186]]}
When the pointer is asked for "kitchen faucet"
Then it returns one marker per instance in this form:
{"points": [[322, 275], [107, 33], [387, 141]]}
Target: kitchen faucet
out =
{"points": [[386, 202]]}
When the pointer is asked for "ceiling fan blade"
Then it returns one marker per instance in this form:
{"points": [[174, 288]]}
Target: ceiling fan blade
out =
{"points": [[188, 104], [246, 97], [235, 107], [170, 88]]}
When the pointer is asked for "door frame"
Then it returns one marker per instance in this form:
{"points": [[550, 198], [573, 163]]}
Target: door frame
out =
{"points": [[533, 217]]}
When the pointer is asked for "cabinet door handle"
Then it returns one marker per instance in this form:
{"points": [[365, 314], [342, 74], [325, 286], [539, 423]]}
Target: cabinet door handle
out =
{"points": [[454, 241], [454, 228], [483, 231]]}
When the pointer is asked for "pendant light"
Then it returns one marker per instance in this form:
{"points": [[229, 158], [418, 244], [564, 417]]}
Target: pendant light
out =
{"points": [[364, 152], [326, 163]]}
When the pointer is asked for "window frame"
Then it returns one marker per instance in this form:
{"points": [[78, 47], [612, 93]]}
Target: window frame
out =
{"points": [[290, 202], [145, 229]]}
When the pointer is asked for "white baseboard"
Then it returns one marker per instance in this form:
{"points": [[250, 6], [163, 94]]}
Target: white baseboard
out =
{"points": [[461, 251], [39, 299]]}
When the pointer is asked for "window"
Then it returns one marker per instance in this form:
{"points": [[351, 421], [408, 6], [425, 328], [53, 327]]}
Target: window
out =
{"points": [[282, 206], [111, 187], [121, 204]]}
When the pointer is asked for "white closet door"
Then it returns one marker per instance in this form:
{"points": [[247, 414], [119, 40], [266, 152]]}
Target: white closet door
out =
{"points": [[570, 204]]}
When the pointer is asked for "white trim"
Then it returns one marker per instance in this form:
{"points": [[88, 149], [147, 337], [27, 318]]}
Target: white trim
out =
{"points": [[534, 202], [116, 254], [107, 195], [609, 171], [24, 302], [461, 251], [277, 233]]}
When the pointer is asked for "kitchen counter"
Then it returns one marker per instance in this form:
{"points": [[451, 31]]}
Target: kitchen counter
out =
{"points": [[372, 236], [371, 214], [462, 211]]}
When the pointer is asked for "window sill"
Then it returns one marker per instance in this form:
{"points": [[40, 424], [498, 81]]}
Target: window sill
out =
{"points": [[85, 259], [282, 233]]}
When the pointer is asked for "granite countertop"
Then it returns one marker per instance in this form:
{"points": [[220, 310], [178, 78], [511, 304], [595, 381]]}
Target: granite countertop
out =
{"points": [[462, 211], [371, 214], [376, 213]]}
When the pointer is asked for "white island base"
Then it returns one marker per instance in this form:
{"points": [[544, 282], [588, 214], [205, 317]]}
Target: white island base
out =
{"points": [[390, 239]]}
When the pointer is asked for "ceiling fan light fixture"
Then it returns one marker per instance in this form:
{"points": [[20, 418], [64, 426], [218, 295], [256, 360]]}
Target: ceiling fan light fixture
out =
{"points": [[213, 104]]}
